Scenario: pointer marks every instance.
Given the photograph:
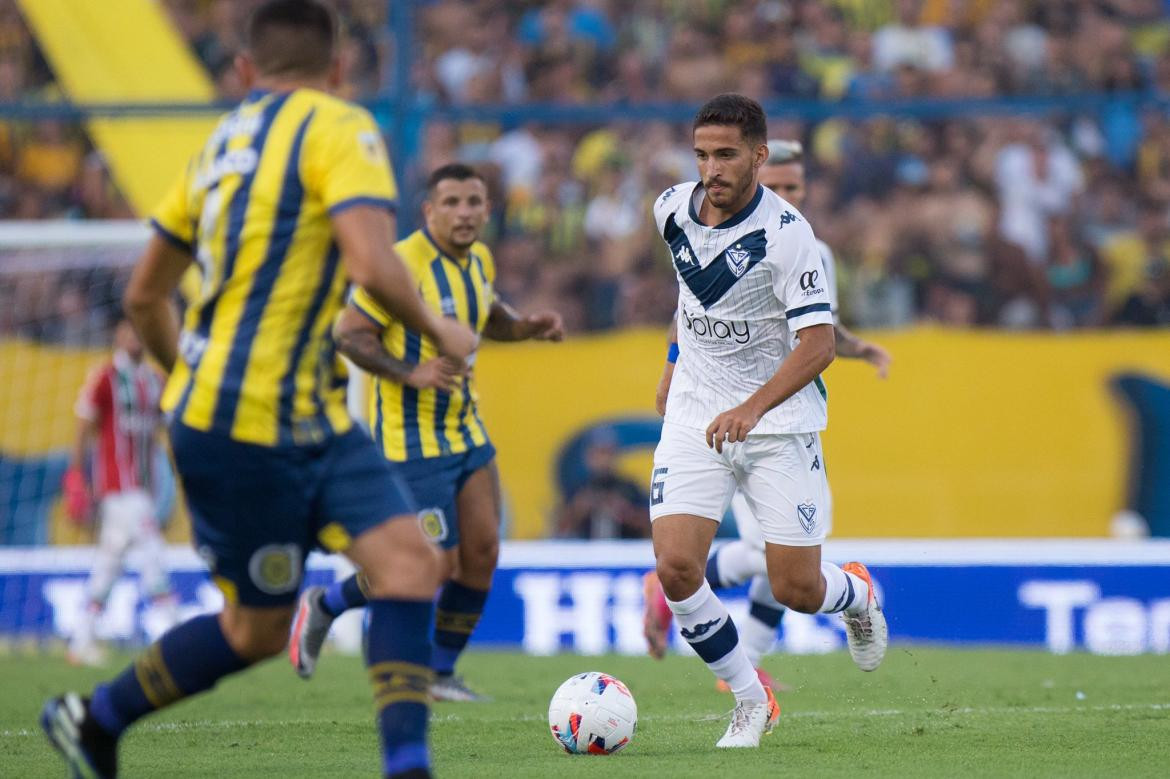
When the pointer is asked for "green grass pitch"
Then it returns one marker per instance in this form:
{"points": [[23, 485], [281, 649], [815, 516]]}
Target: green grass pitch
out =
{"points": [[925, 712]]}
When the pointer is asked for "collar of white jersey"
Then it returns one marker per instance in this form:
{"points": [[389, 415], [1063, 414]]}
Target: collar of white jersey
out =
{"points": [[730, 221]]}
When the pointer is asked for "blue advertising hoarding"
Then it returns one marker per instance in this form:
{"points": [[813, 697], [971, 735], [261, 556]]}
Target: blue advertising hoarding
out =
{"points": [[1109, 597]]}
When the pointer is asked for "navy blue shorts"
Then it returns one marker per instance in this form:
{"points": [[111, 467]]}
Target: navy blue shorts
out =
{"points": [[435, 482], [258, 510]]}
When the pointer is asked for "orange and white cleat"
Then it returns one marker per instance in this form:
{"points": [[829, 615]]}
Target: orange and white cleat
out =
{"points": [[657, 619], [866, 630], [766, 679]]}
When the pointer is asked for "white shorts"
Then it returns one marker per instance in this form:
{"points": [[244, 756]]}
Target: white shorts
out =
{"points": [[127, 518], [781, 477]]}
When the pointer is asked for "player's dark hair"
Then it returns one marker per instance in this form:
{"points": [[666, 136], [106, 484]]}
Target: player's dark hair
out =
{"points": [[735, 110], [293, 37], [457, 171]]}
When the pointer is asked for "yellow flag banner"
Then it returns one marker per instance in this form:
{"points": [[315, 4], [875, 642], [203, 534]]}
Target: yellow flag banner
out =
{"points": [[127, 51]]}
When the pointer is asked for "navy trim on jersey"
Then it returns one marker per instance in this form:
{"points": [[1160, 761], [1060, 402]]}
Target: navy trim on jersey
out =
{"points": [[710, 284], [811, 308], [288, 381], [380, 202], [170, 237], [732, 220], [442, 397], [413, 441], [284, 228]]}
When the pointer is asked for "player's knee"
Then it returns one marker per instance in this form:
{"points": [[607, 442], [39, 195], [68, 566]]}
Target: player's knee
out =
{"points": [[478, 558], [406, 573], [256, 637], [679, 575]]}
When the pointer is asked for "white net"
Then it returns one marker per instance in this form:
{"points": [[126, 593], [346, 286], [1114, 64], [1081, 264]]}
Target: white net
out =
{"points": [[60, 287]]}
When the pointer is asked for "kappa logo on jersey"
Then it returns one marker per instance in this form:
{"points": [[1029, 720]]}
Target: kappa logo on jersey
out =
{"points": [[788, 218], [807, 514], [716, 329], [700, 630], [684, 256], [737, 259]]}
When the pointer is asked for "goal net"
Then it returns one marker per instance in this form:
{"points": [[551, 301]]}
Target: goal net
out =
{"points": [[61, 284]]}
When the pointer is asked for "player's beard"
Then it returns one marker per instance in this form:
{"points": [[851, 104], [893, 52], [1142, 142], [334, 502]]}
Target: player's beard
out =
{"points": [[727, 195]]}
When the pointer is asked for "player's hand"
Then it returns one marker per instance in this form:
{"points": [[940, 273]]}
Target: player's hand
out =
{"points": [[663, 389], [877, 357], [454, 340], [76, 491], [732, 426], [440, 373], [545, 326]]}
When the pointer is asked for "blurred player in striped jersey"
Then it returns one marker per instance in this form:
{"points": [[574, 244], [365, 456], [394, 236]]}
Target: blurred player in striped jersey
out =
{"points": [[291, 197], [743, 560], [119, 423], [424, 416]]}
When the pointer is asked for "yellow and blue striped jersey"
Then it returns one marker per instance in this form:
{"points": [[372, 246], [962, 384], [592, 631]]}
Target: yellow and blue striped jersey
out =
{"points": [[257, 359], [409, 424]]}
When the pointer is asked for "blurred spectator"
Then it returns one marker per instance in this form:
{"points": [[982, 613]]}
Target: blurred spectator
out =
{"points": [[1057, 220], [607, 505], [1038, 178]]}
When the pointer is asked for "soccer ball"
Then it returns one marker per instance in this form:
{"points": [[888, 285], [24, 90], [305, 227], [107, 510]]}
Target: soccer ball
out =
{"points": [[592, 714]]}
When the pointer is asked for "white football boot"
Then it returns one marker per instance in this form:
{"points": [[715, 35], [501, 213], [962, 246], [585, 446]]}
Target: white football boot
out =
{"points": [[749, 721], [867, 632]]}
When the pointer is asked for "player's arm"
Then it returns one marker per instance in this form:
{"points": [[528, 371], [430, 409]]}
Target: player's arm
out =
{"points": [[668, 368], [851, 346], [365, 235], [360, 339], [148, 300], [812, 355], [506, 324]]}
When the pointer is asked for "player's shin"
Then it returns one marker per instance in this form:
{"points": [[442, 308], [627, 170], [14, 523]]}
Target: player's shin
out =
{"points": [[707, 627], [844, 591], [398, 654], [187, 660], [458, 612]]}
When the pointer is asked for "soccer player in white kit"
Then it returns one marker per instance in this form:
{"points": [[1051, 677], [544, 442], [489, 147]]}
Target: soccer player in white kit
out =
{"points": [[741, 560], [746, 405]]}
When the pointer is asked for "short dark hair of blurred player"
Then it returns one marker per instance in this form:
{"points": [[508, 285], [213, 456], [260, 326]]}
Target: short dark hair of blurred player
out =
{"points": [[116, 463], [290, 199], [424, 415]]}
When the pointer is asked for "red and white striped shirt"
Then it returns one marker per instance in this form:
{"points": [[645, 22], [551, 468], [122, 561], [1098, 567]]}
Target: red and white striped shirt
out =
{"points": [[122, 398]]}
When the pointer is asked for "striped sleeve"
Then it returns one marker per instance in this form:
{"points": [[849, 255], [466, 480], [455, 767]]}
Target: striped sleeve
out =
{"points": [[366, 305]]}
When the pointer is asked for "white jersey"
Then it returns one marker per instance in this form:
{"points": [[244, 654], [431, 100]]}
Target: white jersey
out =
{"points": [[746, 287]]}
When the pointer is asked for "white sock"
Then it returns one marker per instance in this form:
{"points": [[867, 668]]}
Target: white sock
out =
{"points": [[735, 562], [705, 624], [843, 591], [758, 631], [84, 629]]}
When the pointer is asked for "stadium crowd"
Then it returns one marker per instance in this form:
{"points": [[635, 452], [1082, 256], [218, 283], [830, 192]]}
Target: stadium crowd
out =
{"points": [[1054, 221]]}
